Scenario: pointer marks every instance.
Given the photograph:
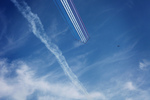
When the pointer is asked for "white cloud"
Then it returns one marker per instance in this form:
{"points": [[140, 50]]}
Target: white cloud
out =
{"points": [[77, 44], [4, 88], [129, 99], [126, 90], [144, 64], [129, 86], [25, 83]]}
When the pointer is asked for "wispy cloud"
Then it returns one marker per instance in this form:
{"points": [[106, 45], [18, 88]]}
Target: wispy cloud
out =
{"points": [[129, 86], [13, 43], [38, 30], [126, 90], [144, 64], [55, 31], [59, 33], [77, 44], [23, 83], [128, 99], [116, 57]]}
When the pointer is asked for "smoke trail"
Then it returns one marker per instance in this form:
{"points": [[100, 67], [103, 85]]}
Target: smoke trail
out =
{"points": [[38, 30], [76, 16], [79, 19], [73, 20], [73, 17]]}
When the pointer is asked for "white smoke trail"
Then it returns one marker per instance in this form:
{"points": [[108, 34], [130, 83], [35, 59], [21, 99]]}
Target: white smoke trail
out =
{"points": [[38, 30], [78, 18], [73, 20]]}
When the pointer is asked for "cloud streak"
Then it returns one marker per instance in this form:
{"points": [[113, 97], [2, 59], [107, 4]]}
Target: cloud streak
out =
{"points": [[143, 65], [130, 86], [25, 84], [38, 30]]}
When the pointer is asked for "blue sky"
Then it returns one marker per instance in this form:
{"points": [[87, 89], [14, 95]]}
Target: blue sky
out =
{"points": [[29, 70]]}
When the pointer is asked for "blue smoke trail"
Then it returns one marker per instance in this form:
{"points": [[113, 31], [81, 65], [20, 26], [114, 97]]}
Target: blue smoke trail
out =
{"points": [[38, 30], [68, 11], [73, 19], [78, 19]]}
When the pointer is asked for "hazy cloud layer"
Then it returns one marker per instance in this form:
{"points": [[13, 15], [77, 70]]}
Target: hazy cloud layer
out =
{"points": [[24, 84]]}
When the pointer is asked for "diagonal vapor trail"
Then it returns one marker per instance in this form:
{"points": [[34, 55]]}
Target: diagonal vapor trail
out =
{"points": [[38, 30], [73, 19]]}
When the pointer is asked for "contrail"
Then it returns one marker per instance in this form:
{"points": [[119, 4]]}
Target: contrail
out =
{"points": [[38, 30]]}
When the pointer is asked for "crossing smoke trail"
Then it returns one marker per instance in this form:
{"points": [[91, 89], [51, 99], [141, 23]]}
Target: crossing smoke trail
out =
{"points": [[65, 17], [73, 20], [38, 30], [68, 11], [79, 19], [74, 17]]}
